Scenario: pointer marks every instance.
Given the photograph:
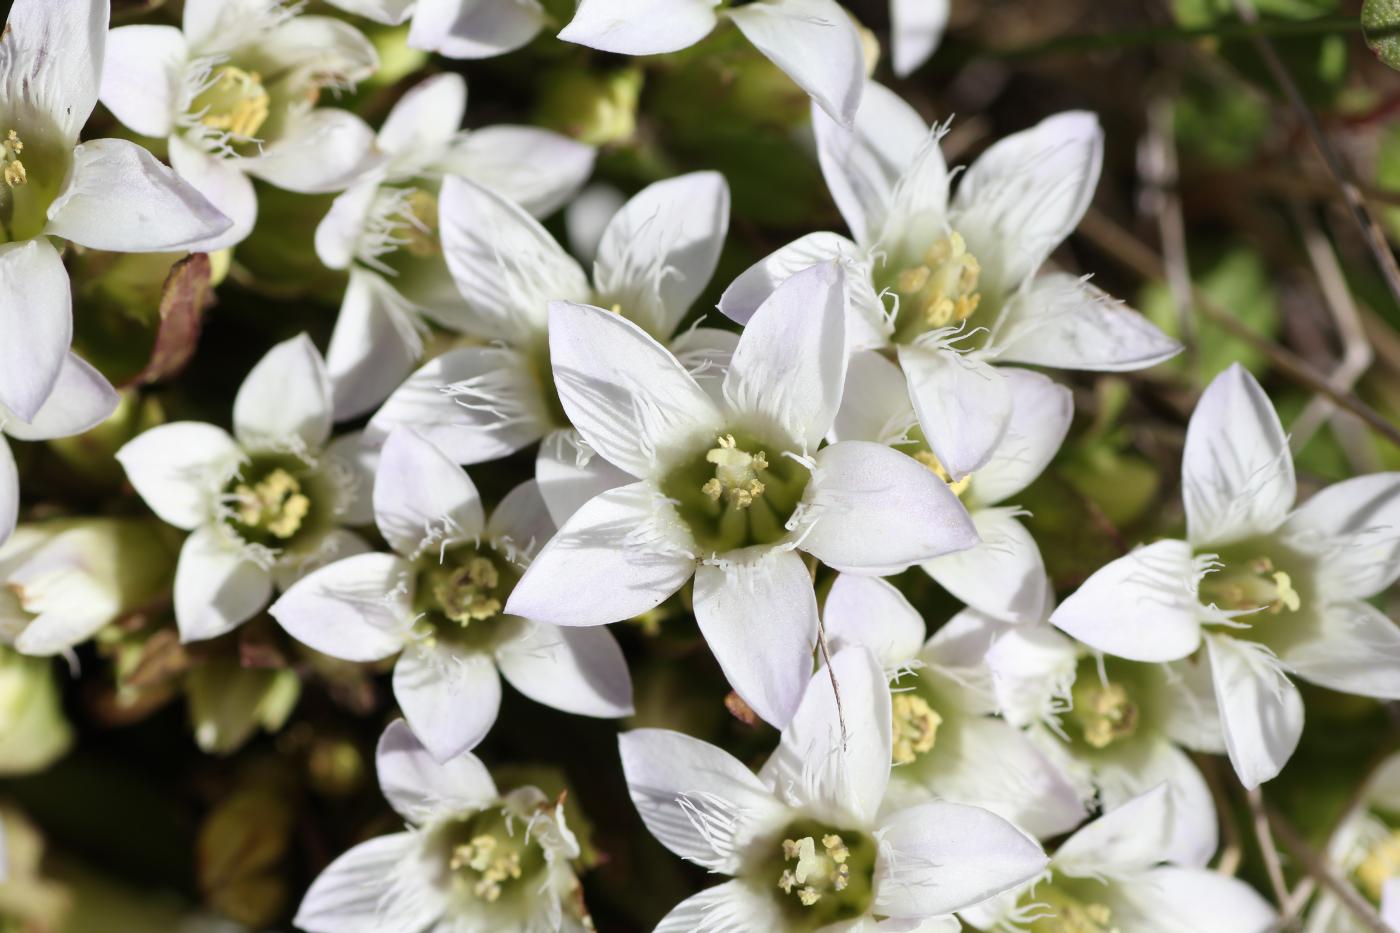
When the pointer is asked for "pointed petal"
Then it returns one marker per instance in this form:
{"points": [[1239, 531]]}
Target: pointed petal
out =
{"points": [[732, 907], [868, 611], [1002, 575], [360, 889], [1041, 412], [1354, 526], [421, 498], [876, 510], [760, 620], [963, 404], [449, 694], [1122, 842], [428, 116], [535, 168], [570, 473], [468, 29], [422, 789], [217, 587], [1191, 899], [388, 12], [1355, 649], [223, 185], [1259, 707], [521, 520], [579, 670], [1032, 668], [1191, 716], [916, 27], [626, 394], [114, 178], [1141, 606], [648, 27], [815, 43], [620, 555], [51, 58], [322, 151], [180, 469], [82, 398], [373, 346], [286, 398], [875, 404], [9, 491], [143, 77], [36, 317], [357, 609], [1236, 471], [1192, 831]]}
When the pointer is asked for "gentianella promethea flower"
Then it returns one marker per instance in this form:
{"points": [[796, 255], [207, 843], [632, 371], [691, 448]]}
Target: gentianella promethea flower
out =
{"points": [[80, 399], [235, 91], [954, 285], [1003, 575], [385, 230], [439, 603], [1366, 847], [729, 491], [106, 194], [463, 29], [470, 858], [1109, 876], [478, 403], [1271, 590], [815, 42], [947, 742], [805, 841], [264, 506]]}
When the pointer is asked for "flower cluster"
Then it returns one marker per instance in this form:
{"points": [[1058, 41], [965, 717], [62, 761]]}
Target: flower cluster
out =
{"points": [[514, 452]]}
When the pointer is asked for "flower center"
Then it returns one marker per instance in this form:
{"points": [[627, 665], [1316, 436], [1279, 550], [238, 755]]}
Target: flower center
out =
{"points": [[466, 594], [1071, 915], [915, 727], [1250, 585], [939, 289], [418, 224], [275, 504], [736, 474], [490, 852], [1382, 863], [460, 589], [823, 875], [10, 150], [277, 500], [34, 162], [1104, 712], [235, 102]]}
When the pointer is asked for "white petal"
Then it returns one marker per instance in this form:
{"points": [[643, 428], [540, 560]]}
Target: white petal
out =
{"points": [[285, 399], [963, 404], [658, 252], [1191, 716], [1191, 899], [760, 620], [355, 892], [732, 907], [119, 198], [1122, 842], [449, 694], [587, 216], [521, 520], [51, 58], [9, 491], [36, 317], [790, 366], [1064, 322], [1041, 412], [938, 857], [617, 557], [1141, 606], [422, 789], [180, 469], [570, 473], [706, 353], [82, 398], [535, 168], [834, 758], [1032, 668], [421, 498], [339, 233], [815, 43], [373, 347], [475, 404], [507, 267], [427, 117], [1025, 194], [1192, 831], [1354, 526], [223, 185], [916, 27], [321, 151], [877, 510], [862, 164], [1355, 649], [317, 45], [388, 12], [1237, 473], [1002, 575], [626, 394], [1259, 707], [143, 77], [875, 404], [357, 609], [579, 670], [640, 27], [868, 611], [474, 28], [217, 587]]}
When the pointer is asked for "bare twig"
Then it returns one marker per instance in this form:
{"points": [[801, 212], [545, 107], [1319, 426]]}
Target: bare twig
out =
{"points": [[831, 672], [1265, 837], [1159, 168], [1326, 875]]}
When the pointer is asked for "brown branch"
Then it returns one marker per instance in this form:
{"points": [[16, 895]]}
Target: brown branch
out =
{"points": [[1267, 848], [1326, 875]]}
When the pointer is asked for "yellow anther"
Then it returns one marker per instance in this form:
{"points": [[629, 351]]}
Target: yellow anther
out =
{"points": [[274, 504], [10, 149], [809, 896], [915, 727], [1287, 596], [235, 102], [465, 595], [1106, 714], [957, 486], [835, 848], [1255, 585], [485, 856], [817, 872], [942, 289], [736, 473], [1381, 864]]}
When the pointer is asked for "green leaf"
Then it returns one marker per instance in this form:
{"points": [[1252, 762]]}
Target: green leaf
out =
{"points": [[1381, 21]]}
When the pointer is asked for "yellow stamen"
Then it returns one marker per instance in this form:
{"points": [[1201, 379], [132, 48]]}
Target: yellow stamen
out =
{"points": [[483, 855], [957, 486], [236, 103], [10, 149], [942, 289], [1382, 863], [275, 504], [465, 595], [816, 873], [915, 727], [420, 225], [736, 473], [1106, 714]]}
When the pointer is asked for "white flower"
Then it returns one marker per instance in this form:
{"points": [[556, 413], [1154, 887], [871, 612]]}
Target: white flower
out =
{"points": [[962, 276], [1366, 847], [1003, 575], [478, 403], [80, 399], [106, 194], [457, 28], [235, 91], [947, 742], [1272, 590], [728, 490], [916, 28], [814, 41], [1108, 876], [470, 858], [803, 839], [438, 603], [385, 229], [264, 506]]}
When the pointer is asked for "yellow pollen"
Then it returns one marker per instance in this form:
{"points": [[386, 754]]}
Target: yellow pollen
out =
{"points": [[1106, 714], [1257, 586], [275, 504], [736, 473], [10, 149], [816, 873], [465, 595], [236, 103], [943, 288], [482, 856], [1381, 864], [957, 486], [915, 727], [1060, 912]]}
